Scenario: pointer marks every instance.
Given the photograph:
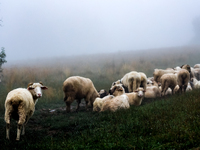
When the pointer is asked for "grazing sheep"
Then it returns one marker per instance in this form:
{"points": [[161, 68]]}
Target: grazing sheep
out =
{"points": [[120, 101], [197, 66], [103, 93], [136, 97], [168, 80], [97, 105], [20, 105], [188, 68], [159, 72], [195, 83], [183, 77], [131, 81], [77, 87], [143, 83]]}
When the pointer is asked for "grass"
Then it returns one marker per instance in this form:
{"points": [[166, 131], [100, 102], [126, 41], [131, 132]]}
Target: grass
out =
{"points": [[165, 123], [170, 123]]}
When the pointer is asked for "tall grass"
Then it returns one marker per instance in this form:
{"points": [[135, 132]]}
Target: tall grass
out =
{"points": [[101, 69]]}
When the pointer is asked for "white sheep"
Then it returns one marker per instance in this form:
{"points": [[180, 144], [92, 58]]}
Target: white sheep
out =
{"points": [[196, 73], [97, 105], [120, 101], [77, 87], [189, 88], [197, 66], [195, 83], [159, 72], [152, 90], [20, 105], [143, 83], [136, 97], [131, 81]]}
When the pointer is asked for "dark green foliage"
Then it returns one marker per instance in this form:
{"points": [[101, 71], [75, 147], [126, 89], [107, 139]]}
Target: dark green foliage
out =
{"points": [[2, 57]]}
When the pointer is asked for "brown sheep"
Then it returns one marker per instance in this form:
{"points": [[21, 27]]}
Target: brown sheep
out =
{"points": [[168, 80], [77, 87], [183, 77], [159, 72]]}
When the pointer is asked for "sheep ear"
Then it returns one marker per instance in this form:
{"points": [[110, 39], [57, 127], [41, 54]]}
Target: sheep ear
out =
{"points": [[44, 88], [31, 83], [30, 88], [136, 91]]}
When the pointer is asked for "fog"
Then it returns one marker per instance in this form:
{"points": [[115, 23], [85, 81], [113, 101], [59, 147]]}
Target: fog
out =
{"points": [[49, 28]]}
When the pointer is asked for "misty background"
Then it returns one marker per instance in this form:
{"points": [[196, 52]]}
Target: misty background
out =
{"points": [[49, 28]]}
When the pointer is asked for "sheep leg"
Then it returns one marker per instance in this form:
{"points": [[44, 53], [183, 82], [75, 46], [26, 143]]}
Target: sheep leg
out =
{"points": [[184, 88], [27, 119], [7, 120], [68, 103], [7, 131], [78, 104], [164, 91], [22, 119]]}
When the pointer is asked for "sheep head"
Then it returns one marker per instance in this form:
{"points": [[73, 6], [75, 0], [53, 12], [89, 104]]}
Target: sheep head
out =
{"points": [[36, 89], [117, 90], [140, 92]]}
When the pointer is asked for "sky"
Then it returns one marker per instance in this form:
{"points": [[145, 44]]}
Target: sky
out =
{"points": [[50, 28]]}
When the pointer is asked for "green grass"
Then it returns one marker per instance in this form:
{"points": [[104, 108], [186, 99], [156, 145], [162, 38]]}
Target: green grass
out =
{"points": [[169, 123]]}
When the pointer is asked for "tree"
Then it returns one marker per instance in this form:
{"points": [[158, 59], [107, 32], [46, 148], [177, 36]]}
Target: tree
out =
{"points": [[2, 58]]}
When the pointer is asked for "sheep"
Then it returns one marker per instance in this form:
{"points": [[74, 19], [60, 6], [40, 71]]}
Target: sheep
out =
{"points": [[183, 77], [189, 88], [20, 105], [120, 101], [159, 72], [131, 81], [152, 91], [136, 97], [188, 68], [177, 68], [150, 80], [143, 83], [196, 73], [77, 87], [168, 80], [103, 93], [195, 83], [97, 105], [197, 66]]}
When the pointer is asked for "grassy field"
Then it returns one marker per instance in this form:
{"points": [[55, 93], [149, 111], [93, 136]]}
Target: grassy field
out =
{"points": [[164, 123]]}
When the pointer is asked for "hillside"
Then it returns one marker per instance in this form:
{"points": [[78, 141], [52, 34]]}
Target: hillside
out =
{"points": [[163, 123]]}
